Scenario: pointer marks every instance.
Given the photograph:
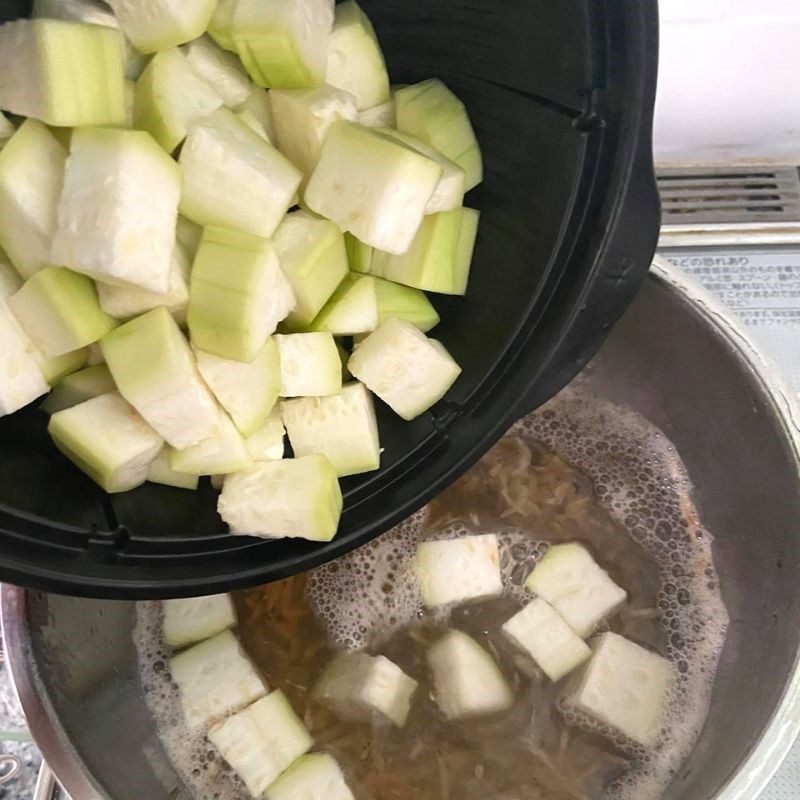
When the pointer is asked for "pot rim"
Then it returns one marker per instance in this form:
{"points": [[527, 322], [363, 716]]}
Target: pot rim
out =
{"points": [[747, 782]]}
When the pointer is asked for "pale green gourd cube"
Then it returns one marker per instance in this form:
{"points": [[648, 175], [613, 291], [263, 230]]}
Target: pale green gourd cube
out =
{"points": [[312, 777], [257, 107], [233, 178], [380, 116], [341, 427], [55, 368], [59, 310], [248, 392], [154, 367], [365, 688], [219, 69], [238, 294], [126, 302], [283, 45], [10, 280], [577, 587], [625, 687], [161, 472], [189, 234], [267, 443], [292, 498], [92, 12], [431, 112], [170, 96], [449, 192], [63, 73], [192, 619], [439, 258], [220, 454], [543, 634], [154, 25], [118, 210], [355, 60], [359, 255], [310, 365], [107, 440], [220, 26], [78, 388], [302, 118], [31, 179], [261, 741], [215, 678], [406, 369], [467, 682], [465, 569], [362, 302], [21, 380], [372, 186], [312, 255]]}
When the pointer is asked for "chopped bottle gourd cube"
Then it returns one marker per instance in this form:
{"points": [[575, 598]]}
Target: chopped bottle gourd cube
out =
{"points": [[193, 619]]}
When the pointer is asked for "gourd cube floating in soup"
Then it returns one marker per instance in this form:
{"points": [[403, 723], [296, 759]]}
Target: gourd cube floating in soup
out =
{"points": [[154, 368], [292, 498], [406, 369], [192, 619], [233, 178], [355, 60], [79, 387], [170, 96], [364, 688], [313, 257], [215, 678], [283, 45], [154, 25], [247, 392], [440, 256], [576, 586], [125, 302], [341, 427], [310, 365], [161, 472], [238, 294], [449, 192], [372, 186], [59, 310], [63, 73], [108, 440], [457, 570], [311, 777], [466, 680], [362, 302], [431, 112], [21, 380], [31, 178], [541, 632], [220, 454], [119, 208], [220, 69], [626, 687], [302, 118], [267, 443], [261, 741]]}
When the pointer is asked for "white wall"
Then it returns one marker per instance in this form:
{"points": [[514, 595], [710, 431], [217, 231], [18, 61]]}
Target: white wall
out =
{"points": [[729, 82]]}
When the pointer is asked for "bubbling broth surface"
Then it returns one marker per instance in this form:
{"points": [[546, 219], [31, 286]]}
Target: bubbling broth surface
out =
{"points": [[577, 470]]}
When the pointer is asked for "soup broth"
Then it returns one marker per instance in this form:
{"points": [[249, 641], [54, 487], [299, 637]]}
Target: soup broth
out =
{"points": [[577, 470]]}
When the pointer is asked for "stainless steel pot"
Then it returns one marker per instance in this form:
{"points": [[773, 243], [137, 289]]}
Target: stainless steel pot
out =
{"points": [[678, 359]]}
